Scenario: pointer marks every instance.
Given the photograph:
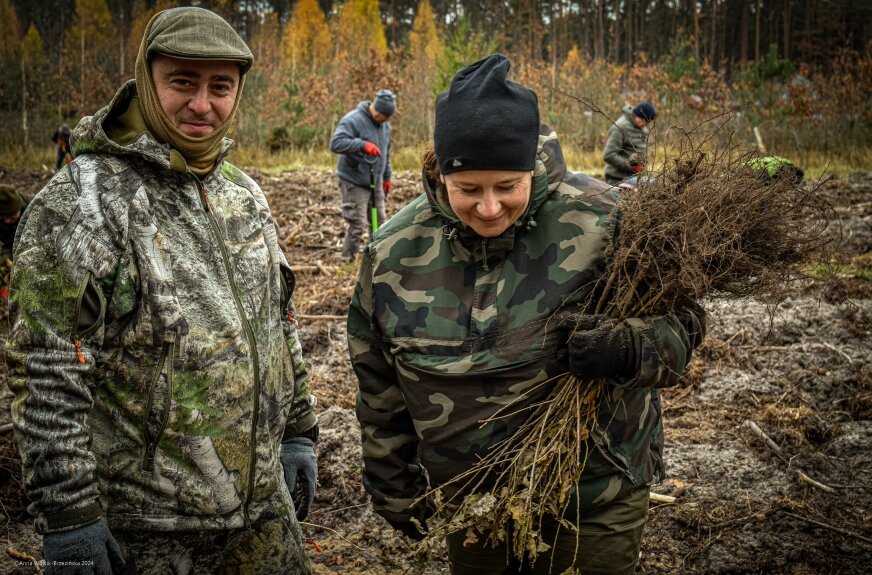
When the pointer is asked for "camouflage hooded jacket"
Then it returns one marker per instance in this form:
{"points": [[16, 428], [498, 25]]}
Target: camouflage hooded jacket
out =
{"points": [[447, 328], [153, 353]]}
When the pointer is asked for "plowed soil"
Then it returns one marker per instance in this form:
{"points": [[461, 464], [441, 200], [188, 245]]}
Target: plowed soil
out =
{"points": [[768, 435]]}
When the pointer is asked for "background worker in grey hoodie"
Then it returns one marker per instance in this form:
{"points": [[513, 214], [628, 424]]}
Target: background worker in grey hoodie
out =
{"points": [[363, 141]]}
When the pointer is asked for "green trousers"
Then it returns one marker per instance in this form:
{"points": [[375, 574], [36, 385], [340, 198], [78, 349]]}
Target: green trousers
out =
{"points": [[269, 547], [607, 544]]}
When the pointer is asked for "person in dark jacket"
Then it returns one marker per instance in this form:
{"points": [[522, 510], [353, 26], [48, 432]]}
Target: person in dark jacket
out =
{"points": [[626, 150], [363, 141], [61, 138], [455, 317]]}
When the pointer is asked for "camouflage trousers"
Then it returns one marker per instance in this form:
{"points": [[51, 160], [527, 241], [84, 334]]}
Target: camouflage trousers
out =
{"points": [[273, 546], [607, 543], [356, 204]]}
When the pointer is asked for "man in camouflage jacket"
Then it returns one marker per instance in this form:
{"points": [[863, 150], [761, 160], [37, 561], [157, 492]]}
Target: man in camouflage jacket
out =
{"points": [[153, 350], [447, 327]]}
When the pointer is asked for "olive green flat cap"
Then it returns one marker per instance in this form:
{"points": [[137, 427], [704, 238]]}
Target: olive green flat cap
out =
{"points": [[192, 33]]}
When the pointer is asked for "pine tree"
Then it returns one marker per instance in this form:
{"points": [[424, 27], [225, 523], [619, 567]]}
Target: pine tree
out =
{"points": [[10, 56], [426, 47], [92, 39], [264, 93], [34, 65], [425, 40], [359, 32], [306, 43], [141, 16]]}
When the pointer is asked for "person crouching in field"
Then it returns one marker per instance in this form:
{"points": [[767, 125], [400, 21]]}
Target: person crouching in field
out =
{"points": [[161, 406], [472, 298], [774, 168]]}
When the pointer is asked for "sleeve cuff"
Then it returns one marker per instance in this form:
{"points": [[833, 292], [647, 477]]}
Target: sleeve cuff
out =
{"points": [[79, 517]]}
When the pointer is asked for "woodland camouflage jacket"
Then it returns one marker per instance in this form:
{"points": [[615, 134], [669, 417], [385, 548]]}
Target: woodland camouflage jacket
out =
{"points": [[447, 328], [153, 352], [625, 137]]}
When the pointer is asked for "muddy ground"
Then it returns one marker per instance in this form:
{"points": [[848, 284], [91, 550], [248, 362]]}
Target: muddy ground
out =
{"points": [[767, 437]]}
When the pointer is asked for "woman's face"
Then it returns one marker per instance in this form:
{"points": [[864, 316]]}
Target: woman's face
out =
{"points": [[488, 201]]}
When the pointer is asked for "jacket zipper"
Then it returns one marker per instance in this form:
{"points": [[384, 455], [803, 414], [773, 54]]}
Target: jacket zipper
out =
{"points": [[80, 357], [249, 334], [166, 357]]}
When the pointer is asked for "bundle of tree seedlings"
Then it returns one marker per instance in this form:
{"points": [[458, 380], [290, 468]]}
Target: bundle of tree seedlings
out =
{"points": [[703, 226]]}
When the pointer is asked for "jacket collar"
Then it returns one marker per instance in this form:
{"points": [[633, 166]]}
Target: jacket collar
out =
{"points": [[549, 172]]}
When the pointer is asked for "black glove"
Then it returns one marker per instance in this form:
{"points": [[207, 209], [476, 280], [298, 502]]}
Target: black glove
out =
{"points": [[82, 551], [599, 346], [409, 529], [422, 511], [301, 472]]}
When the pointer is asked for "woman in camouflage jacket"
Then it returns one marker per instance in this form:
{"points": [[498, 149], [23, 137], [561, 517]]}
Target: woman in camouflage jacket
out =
{"points": [[453, 318]]}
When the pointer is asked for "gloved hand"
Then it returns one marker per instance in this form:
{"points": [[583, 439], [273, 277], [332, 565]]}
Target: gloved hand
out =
{"points": [[599, 346], [637, 168], [386, 185], [409, 529], [82, 551], [371, 149], [422, 511], [301, 472], [635, 160]]}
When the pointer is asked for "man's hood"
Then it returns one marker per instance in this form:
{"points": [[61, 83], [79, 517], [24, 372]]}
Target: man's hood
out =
{"points": [[117, 129], [363, 106], [629, 121], [549, 172]]}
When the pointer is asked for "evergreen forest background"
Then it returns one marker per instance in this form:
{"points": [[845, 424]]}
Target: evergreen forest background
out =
{"points": [[799, 71]]}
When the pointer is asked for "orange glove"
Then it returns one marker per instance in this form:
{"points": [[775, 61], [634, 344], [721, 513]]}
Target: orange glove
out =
{"points": [[371, 149], [387, 187]]}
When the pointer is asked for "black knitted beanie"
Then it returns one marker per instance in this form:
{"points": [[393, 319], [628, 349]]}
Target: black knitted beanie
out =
{"points": [[486, 122]]}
